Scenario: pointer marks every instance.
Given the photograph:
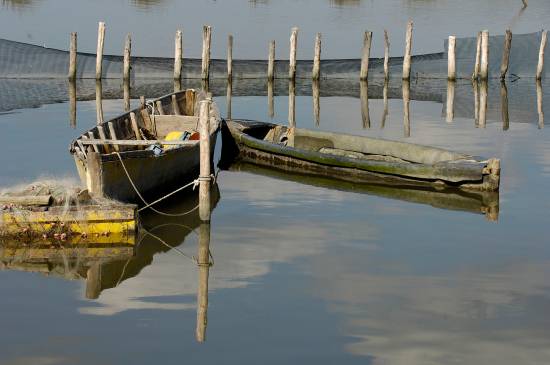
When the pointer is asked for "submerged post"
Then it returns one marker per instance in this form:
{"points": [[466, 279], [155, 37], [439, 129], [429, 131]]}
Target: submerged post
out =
{"points": [[506, 54], [316, 71], [484, 67], [72, 57], [204, 177], [451, 59], [127, 53], [230, 57], [99, 51], [477, 64], [408, 49], [367, 40], [540, 66], [386, 55], [178, 54], [206, 41], [292, 59], [271, 61]]}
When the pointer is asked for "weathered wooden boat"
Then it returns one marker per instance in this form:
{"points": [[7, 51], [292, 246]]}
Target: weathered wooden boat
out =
{"points": [[146, 150], [358, 159]]}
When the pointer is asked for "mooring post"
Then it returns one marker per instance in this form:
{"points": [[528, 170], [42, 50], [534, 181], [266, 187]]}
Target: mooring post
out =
{"points": [[99, 51], [271, 61], [540, 65], [450, 108], [203, 262], [206, 41], [386, 55], [451, 59], [408, 50], [406, 90], [316, 71], [72, 56], [292, 59], [230, 57], [204, 176], [291, 103], [367, 40], [477, 64], [178, 54], [127, 53], [506, 54], [484, 67]]}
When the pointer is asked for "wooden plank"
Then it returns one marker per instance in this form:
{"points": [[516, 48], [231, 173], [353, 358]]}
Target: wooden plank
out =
{"points": [[112, 132], [146, 119], [91, 136], [135, 126], [160, 108], [26, 200], [190, 96], [175, 105], [131, 142], [102, 137]]}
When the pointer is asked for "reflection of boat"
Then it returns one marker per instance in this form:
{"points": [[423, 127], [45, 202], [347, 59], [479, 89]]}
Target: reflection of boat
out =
{"points": [[484, 202], [359, 159], [155, 145]]}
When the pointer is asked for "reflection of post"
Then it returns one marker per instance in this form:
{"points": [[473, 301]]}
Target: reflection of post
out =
{"points": [[450, 101], [270, 106], [292, 103], [316, 101], [364, 96], [228, 97], [93, 281], [504, 106], [483, 103], [475, 86], [406, 101], [540, 109], [385, 113], [204, 178], [99, 101], [126, 92], [72, 102], [203, 262]]}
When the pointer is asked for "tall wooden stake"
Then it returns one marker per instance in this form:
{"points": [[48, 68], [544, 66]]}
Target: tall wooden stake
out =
{"points": [[72, 56], [206, 41], [178, 54], [451, 59], [205, 171], [316, 72], [99, 52], [127, 54], [408, 50], [292, 59], [230, 57], [484, 67], [367, 40], [506, 54], [386, 55], [271, 61], [477, 64], [540, 65]]}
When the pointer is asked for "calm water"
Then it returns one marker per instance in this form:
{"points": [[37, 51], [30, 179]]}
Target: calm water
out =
{"points": [[303, 271]]}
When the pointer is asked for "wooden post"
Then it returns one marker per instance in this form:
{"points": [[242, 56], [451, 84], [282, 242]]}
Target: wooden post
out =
{"points": [[483, 103], [477, 64], [72, 102], [386, 55], [406, 90], [230, 57], [291, 103], [450, 108], [99, 101], [270, 103], [316, 94], [540, 66], [506, 54], [72, 57], [386, 108], [178, 54], [203, 262], [364, 96], [408, 50], [484, 67], [271, 61], [504, 106], [367, 40], [204, 177], [540, 109], [316, 71], [99, 52], [292, 59], [206, 41], [127, 53], [451, 59]]}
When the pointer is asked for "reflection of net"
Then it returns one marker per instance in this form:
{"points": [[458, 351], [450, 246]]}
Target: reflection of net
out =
{"points": [[25, 60]]}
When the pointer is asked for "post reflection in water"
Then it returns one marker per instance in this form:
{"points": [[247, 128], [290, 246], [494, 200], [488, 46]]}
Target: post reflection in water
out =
{"points": [[228, 96], [386, 110], [72, 103], [292, 103], [99, 101], [126, 94], [450, 108], [540, 110], [483, 90], [203, 263], [316, 93], [406, 89], [475, 87], [270, 101], [364, 96], [504, 106]]}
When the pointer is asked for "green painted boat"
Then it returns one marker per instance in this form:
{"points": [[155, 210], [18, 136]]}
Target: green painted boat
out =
{"points": [[357, 159]]}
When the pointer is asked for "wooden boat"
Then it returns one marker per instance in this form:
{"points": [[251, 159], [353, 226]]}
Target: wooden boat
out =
{"points": [[358, 159], [138, 144]]}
